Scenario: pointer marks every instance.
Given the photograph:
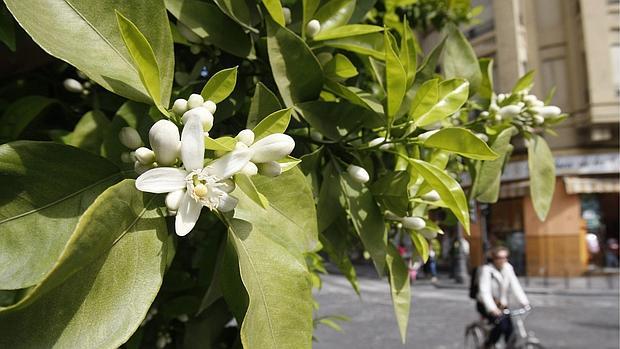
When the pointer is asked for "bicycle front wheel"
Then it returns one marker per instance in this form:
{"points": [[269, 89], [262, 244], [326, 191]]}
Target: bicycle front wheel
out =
{"points": [[474, 337]]}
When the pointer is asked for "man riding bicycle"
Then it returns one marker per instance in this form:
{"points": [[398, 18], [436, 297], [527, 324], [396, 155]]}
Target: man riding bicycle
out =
{"points": [[495, 280]]}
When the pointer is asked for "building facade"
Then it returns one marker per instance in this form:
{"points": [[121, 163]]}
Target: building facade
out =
{"points": [[574, 46]]}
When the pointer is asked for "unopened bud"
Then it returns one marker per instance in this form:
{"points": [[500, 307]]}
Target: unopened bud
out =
{"points": [[413, 223], [141, 168], [375, 142], [358, 174], [482, 136], [73, 85], [286, 12], [130, 138], [210, 105], [206, 118], [270, 169], [313, 27], [501, 97], [550, 111], [173, 200], [432, 196], [316, 136], [246, 137], [179, 107], [428, 233], [271, 148], [145, 155], [539, 119], [249, 169], [510, 111], [194, 101], [484, 114], [165, 141], [126, 158]]}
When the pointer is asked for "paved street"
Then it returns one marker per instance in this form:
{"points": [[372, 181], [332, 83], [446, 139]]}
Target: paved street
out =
{"points": [[439, 316]]}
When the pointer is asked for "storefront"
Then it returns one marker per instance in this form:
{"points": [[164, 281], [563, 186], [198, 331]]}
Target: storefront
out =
{"points": [[580, 229]]}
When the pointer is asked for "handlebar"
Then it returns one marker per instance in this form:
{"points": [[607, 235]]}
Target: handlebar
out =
{"points": [[518, 311]]}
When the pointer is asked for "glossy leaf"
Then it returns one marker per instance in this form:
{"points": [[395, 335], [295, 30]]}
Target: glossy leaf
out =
{"points": [[452, 95], [329, 207], [245, 184], [89, 132], [336, 119], [223, 143], [220, 85], [448, 188], [525, 83], [427, 69], [19, 114], [100, 289], [408, 55], [400, 289], [461, 141], [144, 59], [425, 99], [421, 245], [395, 78], [335, 244], [487, 182], [276, 122], [295, 69], [274, 7], [340, 67], [88, 38], [346, 31], [542, 175], [7, 29], [209, 23], [264, 102], [335, 13], [39, 212], [486, 86], [390, 190], [367, 44], [459, 59], [239, 11]]}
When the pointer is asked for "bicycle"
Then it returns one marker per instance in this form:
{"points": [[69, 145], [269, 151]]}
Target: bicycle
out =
{"points": [[477, 332]]}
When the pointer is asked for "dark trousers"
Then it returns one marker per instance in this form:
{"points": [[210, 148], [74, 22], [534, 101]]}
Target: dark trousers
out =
{"points": [[502, 325]]}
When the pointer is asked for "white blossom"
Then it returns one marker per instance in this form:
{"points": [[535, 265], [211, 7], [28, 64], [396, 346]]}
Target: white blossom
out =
{"points": [[358, 174], [194, 101], [165, 142], [413, 223], [130, 138], [73, 85], [313, 27], [210, 106]]}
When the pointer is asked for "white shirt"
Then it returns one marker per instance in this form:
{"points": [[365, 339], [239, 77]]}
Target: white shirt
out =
{"points": [[494, 285]]}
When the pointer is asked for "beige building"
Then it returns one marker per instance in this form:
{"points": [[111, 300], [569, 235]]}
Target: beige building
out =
{"points": [[574, 46]]}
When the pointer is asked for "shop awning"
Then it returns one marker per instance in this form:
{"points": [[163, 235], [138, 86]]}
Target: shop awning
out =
{"points": [[584, 185]]}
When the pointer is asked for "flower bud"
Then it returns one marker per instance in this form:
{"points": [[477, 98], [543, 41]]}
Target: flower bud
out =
{"points": [[206, 118], [538, 119], [538, 104], [413, 223], [510, 111], [313, 27], [250, 169], [210, 105], [432, 196], [179, 107], [501, 97], [165, 142], [194, 101], [72, 85], [270, 169], [484, 114], [246, 137], [424, 136], [130, 138], [358, 174], [428, 233], [375, 142], [126, 158], [173, 199], [145, 155], [530, 99], [271, 148], [316, 136], [493, 107], [550, 111], [286, 12], [140, 168], [483, 137]]}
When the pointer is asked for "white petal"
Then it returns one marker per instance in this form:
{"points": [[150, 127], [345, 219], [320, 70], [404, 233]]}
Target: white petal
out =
{"points": [[187, 215], [161, 180], [227, 203], [193, 144], [229, 164]]}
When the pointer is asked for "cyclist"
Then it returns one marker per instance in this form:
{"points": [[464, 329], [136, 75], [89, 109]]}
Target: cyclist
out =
{"points": [[495, 281]]}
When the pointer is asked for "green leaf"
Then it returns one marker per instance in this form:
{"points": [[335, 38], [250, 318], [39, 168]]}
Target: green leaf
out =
{"points": [[354, 95], [367, 44], [223, 143], [274, 7], [209, 23], [400, 289], [220, 85], [335, 13], [336, 119], [421, 244], [328, 204], [309, 8], [461, 141], [288, 163], [144, 59], [88, 38], [239, 11], [390, 190], [487, 182], [39, 211], [367, 220], [426, 71], [425, 99], [100, 289], [486, 86], [346, 31], [336, 245], [408, 55], [130, 114], [245, 184], [7, 29], [89, 132], [452, 95], [264, 102], [395, 77], [459, 59], [340, 67], [20, 113], [295, 69], [525, 83], [447, 187], [542, 175], [276, 122]]}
